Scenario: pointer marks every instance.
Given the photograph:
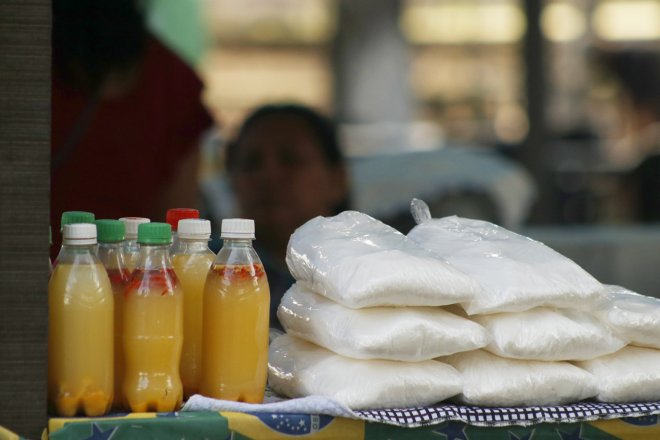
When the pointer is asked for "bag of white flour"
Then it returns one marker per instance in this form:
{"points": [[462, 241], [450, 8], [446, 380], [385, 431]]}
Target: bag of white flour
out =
{"points": [[298, 369], [490, 380], [395, 333], [631, 316], [515, 272], [544, 334], [629, 375], [358, 261]]}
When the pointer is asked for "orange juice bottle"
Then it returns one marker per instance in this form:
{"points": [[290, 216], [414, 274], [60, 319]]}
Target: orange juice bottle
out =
{"points": [[235, 324], [70, 217], [153, 326], [173, 216], [111, 253], [80, 327], [191, 264], [131, 246]]}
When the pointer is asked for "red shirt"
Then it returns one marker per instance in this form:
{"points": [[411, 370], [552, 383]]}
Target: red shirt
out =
{"points": [[129, 148]]}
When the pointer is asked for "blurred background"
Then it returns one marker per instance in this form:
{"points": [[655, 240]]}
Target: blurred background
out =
{"points": [[499, 109]]}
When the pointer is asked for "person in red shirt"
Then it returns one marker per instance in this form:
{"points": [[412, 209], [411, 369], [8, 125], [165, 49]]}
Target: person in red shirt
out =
{"points": [[126, 115]]}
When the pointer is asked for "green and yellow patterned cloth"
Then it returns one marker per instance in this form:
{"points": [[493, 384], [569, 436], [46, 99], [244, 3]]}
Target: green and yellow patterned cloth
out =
{"points": [[231, 425]]}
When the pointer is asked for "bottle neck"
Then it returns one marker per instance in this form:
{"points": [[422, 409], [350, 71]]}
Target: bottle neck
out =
{"points": [[154, 256], [192, 246], [237, 251], [78, 248], [111, 255], [237, 242], [77, 254]]}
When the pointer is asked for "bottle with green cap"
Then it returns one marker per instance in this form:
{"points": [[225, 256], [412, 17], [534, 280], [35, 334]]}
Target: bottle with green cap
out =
{"points": [[153, 326], [69, 217], [80, 327], [111, 253]]}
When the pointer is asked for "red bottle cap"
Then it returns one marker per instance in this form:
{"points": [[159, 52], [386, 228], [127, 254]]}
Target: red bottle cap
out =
{"points": [[175, 214]]}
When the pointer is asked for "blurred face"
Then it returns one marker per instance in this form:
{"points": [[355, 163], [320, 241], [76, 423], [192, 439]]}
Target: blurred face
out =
{"points": [[281, 178]]}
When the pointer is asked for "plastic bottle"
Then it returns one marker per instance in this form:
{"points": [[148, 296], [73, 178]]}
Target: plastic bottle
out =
{"points": [[111, 253], [173, 216], [80, 327], [153, 326], [235, 324], [71, 217], [191, 264], [131, 246]]}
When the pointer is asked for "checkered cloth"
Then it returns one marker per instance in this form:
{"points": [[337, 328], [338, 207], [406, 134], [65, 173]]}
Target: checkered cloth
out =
{"points": [[482, 416], [414, 417]]}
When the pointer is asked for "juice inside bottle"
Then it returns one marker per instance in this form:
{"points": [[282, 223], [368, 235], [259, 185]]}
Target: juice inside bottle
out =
{"points": [[192, 264], [235, 324], [80, 328], [153, 326], [110, 252]]}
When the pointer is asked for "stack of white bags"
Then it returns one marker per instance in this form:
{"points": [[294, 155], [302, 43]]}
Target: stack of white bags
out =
{"points": [[458, 308]]}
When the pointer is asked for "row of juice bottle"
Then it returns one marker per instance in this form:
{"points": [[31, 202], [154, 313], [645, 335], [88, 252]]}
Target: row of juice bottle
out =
{"points": [[135, 328]]}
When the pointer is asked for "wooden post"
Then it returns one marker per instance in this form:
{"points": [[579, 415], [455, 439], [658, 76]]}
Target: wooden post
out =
{"points": [[25, 27]]}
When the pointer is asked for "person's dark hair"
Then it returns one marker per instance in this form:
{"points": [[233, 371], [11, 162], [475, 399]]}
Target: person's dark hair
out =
{"points": [[323, 129], [92, 39], [638, 72]]}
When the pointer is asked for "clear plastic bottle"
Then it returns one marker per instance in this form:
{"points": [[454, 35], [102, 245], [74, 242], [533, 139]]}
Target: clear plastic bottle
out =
{"points": [[173, 216], [71, 217], [235, 324], [111, 253], [153, 326], [192, 263], [80, 327], [131, 246]]}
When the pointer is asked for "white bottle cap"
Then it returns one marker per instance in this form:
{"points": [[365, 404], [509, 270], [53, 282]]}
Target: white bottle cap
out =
{"points": [[237, 228], [194, 229], [79, 234], [132, 224]]}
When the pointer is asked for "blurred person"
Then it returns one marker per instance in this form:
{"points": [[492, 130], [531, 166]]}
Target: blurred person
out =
{"points": [[638, 74], [126, 115], [285, 167]]}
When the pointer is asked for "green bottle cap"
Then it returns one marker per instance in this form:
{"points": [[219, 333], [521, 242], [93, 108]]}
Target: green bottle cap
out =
{"points": [[154, 233], [69, 217], [110, 231]]}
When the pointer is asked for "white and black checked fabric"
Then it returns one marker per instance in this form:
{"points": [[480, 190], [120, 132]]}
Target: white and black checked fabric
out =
{"points": [[482, 416]]}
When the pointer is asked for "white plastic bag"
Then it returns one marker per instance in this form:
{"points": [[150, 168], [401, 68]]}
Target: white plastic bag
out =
{"points": [[359, 261], [544, 334], [631, 316], [395, 333], [516, 272], [629, 375], [299, 369], [490, 380]]}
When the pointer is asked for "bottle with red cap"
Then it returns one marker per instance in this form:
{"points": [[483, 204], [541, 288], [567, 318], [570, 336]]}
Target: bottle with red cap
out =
{"points": [[172, 217]]}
